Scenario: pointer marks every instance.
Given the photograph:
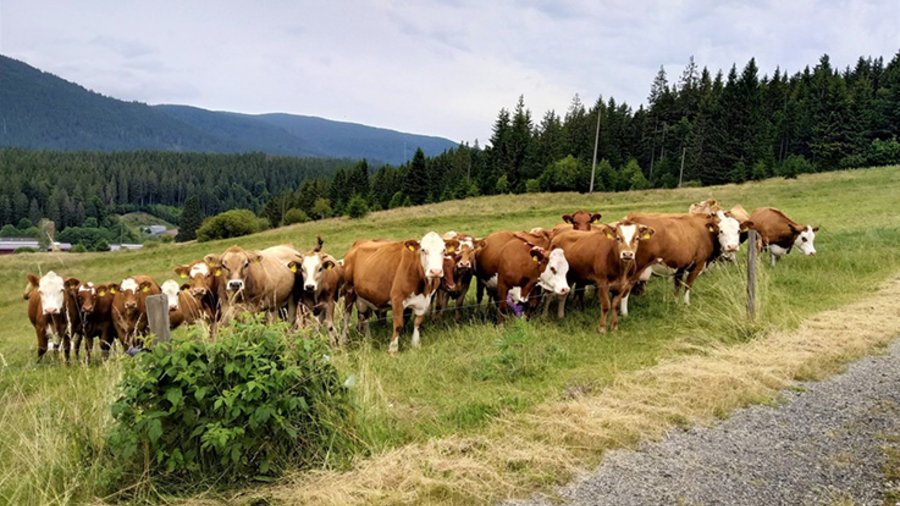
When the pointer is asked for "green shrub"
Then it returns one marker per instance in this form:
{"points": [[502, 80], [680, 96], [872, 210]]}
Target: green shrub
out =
{"points": [[78, 248], [24, 250], [234, 223], [396, 200], [357, 207], [294, 215], [251, 403], [532, 186]]}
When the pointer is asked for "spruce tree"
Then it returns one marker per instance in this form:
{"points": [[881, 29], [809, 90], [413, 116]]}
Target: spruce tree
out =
{"points": [[415, 184], [191, 218]]}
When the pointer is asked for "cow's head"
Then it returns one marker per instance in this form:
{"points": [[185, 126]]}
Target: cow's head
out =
{"points": [[200, 277], [170, 289], [581, 220], [729, 233], [86, 295], [132, 293], [628, 236], [51, 289], [707, 207], [553, 276], [466, 254], [235, 267], [431, 252], [311, 267], [804, 237]]}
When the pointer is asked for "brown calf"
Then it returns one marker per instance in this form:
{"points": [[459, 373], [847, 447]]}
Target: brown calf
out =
{"points": [[129, 308]]}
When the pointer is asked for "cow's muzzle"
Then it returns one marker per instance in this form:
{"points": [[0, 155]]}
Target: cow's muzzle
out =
{"points": [[51, 310], [436, 273], [563, 291], [235, 285], [198, 292], [626, 255], [309, 288]]}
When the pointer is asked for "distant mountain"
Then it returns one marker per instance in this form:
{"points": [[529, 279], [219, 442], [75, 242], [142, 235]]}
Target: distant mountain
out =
{"points": [[41, 111]]}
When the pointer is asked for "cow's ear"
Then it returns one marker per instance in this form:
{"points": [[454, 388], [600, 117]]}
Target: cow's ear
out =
{"points": [[113, 288], [412, 244], [33, 280], [646, 232], [567, 218], [71, 283], [452, 246], [319, 243], [102, 290], [745, 226], [538, 254], [145, 286], [712, 226], [183, 271], [293, 266], [607, 230], [794, 229], [328, 264], [184, 287], [479, 244], [212, 260], [595, 218], [815, 229], [254, 257]]}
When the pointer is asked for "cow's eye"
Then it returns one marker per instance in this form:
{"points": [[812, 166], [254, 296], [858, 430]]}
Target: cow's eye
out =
{"points": [[553, 270], [246, 263], [804, 239]]}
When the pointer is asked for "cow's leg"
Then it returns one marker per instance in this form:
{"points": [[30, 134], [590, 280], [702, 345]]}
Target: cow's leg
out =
{"points": [[479, 290], [502, 307], [614, 323], [328, 315], [88, 348], [397, 317], [773, 256], [440, 302], [603, 295], [547, 299], [457, 312], [416, 324], [41, 342], [76, 344], [690, 282]]}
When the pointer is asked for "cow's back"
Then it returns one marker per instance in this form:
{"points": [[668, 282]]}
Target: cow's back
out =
{"points": [[679, 239], [585, 251], [488, 258], [370, 268], [773, 225]]}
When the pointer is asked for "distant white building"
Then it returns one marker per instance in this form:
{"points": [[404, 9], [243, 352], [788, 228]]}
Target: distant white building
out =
{"points": [[154, 230], [125, 246], [9, 245]]}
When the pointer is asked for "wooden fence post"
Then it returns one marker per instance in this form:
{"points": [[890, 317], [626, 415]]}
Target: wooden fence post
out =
{"points": [[751, 274], [158, 317]]}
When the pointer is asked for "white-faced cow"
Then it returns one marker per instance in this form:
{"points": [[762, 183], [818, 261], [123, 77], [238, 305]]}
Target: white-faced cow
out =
{"points": [[395, 275], [605, 258], [129, 308], [780, 234], [184, 308], [464, 263], [47, 309], [203, 281], [319, 279], [256, 281]]}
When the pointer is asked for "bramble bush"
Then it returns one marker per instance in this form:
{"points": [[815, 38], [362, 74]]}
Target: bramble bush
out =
{"points": [[257, 400]]}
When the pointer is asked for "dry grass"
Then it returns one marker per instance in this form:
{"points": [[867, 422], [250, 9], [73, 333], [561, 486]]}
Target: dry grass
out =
{"points": [[522, 453]]}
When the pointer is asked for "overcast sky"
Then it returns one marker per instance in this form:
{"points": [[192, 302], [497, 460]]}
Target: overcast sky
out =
{"points": [[440, 68]]}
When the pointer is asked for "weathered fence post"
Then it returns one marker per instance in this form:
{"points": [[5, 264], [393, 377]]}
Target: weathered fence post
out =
{"points": [[158, 317], [751, 274]]}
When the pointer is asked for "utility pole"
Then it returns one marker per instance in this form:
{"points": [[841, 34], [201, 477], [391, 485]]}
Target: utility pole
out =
{"points": [[596, 143], [681, 172]]}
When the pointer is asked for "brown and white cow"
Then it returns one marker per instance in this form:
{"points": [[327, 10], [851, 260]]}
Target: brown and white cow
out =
{"points": [[319, 279], [605, 258], [682, 244], [256, 280], [184, 307], [579, 220], [706, 207], [464, 261], [780, 234], [512, 269], [487, 256], [396, 275], [129, 308], [94, 306], [203, 281], [47, 309]]}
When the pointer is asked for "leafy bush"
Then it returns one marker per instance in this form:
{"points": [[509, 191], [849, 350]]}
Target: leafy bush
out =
{"points": [[532, 186], [234, 223], [78, 248], [794, 165], [396, 200], [294, 215], [357, 207], [251, 403]]}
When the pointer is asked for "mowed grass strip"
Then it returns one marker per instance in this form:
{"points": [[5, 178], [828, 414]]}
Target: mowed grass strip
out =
{"points": [[465, 378]]}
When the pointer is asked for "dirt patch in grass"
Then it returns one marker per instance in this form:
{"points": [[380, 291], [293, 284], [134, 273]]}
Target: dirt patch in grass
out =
{"points": [[521, 453]]}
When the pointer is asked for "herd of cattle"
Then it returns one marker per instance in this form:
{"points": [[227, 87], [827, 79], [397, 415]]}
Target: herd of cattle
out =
{"points": [[516, 269]]}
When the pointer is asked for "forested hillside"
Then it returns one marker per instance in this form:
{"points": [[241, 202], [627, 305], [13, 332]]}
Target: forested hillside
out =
{"points": [[41, 111], [722, 128]]}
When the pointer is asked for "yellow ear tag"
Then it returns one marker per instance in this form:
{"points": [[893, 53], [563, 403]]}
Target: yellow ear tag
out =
{"points": [[595, 220], [534, 258], [609, 236], [645, 236], [712, 229], [743, 229], [146, 289], [293, 268], [102, 293], [329, 267], [412, 248], [183, 276], [112, 290], [218, 272], [451, 249]]}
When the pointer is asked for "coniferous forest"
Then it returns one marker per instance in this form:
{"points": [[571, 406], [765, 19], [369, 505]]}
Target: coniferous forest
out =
{"points": [[700, 128]]}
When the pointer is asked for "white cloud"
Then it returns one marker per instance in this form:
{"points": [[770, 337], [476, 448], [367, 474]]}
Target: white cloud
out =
{"points": [[442, 68]]}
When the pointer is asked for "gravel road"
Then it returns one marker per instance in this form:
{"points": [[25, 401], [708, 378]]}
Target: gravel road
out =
{"points": [[821, 444]]}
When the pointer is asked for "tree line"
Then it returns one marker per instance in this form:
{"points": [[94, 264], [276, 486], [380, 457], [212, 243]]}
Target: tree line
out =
{"points": [[701, 129]]}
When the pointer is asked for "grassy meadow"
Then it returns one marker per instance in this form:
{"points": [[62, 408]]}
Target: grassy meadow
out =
{"points": [[54, 418]]}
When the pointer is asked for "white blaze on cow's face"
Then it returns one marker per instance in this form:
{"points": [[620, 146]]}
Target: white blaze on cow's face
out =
{"points": [[51, 287], [311, 269], [199, 269], [729, 233], [431, 254], [804, 241], [553, 278], [170, 288]]}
